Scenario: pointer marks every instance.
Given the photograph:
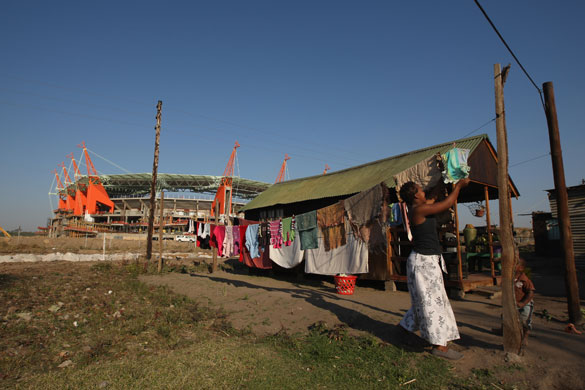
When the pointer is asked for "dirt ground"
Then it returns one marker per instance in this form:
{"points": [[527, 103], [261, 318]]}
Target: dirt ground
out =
{"points": [[266, 303]]}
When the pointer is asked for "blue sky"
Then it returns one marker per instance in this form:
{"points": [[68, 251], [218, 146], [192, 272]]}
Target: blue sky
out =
{"points": [[328, 82]]}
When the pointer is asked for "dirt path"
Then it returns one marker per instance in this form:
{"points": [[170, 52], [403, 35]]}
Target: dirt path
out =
{"points": [[554, 359]]}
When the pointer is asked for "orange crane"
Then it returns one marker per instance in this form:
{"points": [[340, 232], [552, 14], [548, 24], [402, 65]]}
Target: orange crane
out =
{"points": [[223, 196], [326, 169], [62, 198], [80, 190], [70, 202], [97, 197], [280, 176]]}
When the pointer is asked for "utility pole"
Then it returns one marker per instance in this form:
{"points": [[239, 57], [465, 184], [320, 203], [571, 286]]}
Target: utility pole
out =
{"points": [[153, 185], [510, 319], [160, 231], [567, 249]]}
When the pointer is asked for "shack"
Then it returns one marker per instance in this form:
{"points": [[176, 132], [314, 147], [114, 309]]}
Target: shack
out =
{"points": [[576, 195], [299, 196]]}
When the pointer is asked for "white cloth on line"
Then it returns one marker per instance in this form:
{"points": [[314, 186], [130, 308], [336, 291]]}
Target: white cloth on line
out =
{"points": [[426, 174], [430, 309], [288, 256], [351, 258]]}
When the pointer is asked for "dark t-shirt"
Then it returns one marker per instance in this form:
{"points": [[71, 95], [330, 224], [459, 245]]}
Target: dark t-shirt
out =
{"points": [[426, 238]]}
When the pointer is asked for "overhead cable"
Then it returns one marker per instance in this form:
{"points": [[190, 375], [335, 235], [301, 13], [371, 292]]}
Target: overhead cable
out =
{"points": [[511, 52]]}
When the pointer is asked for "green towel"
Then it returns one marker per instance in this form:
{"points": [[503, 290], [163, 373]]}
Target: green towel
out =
{"points": [[307, 227]]}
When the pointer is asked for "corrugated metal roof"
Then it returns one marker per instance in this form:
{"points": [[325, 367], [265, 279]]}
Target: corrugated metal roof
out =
{"points": [[352, 180]]}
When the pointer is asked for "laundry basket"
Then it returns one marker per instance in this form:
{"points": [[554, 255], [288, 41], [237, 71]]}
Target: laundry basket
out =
{"points": [[345, 284]]}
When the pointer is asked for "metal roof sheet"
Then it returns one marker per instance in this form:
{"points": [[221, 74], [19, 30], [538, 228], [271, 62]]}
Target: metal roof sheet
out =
{"points": [[352, 180]]}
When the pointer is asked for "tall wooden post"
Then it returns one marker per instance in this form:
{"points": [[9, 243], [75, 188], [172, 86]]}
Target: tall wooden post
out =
{"points": [[567, 249], [153, 184], [488, 221], [161, 224], [511, 321]]}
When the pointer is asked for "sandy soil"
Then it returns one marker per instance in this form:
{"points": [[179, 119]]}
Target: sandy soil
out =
{"points": [[265, 304]]}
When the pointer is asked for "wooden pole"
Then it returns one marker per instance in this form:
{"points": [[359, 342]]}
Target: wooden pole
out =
{"points": [[459, 264], [153, 184], [510, 319], [214, 264], [489, 231], [161, 231], [567, 249]]}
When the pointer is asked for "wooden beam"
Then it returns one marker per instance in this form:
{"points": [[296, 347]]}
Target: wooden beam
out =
{"points": [[489, 231]]}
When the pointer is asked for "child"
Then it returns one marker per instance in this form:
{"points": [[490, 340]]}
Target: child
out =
{"points": [[524, 292]]}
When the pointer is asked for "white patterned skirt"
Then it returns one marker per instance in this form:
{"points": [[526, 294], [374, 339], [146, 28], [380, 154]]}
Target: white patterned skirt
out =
{"points": [[431, 311]]}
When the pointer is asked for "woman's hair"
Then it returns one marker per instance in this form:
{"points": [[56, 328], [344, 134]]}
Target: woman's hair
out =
{"points": [[407, 192]]}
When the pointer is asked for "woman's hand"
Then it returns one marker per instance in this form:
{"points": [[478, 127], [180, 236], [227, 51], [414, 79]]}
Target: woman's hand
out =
{"points": [[463, 183]]}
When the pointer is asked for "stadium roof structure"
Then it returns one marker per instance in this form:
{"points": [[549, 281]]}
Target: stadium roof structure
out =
{"points": [[139, 183]]}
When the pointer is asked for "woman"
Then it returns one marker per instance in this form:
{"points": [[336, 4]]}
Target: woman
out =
{"points": [[430, 311]]}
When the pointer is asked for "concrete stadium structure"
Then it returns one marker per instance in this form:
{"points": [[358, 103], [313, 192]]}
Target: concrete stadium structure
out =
{"points": [[187, 197]]}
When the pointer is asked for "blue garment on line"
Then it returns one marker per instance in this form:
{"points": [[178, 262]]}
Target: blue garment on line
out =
{"points": [[455, 163], [395, 214], [252, 240]]}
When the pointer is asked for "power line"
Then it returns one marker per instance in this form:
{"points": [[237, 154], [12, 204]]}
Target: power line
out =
{"points": [[479, 128], [531, 159], [511, 52]]}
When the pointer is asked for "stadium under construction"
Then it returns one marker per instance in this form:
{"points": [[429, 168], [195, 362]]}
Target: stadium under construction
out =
{"points": [[92, 203]]}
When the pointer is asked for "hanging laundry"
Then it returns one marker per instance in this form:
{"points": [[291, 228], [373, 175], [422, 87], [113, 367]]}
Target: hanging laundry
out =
{"points": [[217, 238], [307, 229], [365, 206], [351, 258], [287, 256], [406, 220], [204, 230], [426, 173], [288, 234], [275, 234], [228, 242], [331, 222], [395, 216], [236, 239], [455, 163], [252, 240], [262, 260], [264, 234]]}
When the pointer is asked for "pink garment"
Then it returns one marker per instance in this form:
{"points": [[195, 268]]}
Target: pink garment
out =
{"points": [[228, 242], [275, 234], [236, 239], [217, 237], [405, 220]]}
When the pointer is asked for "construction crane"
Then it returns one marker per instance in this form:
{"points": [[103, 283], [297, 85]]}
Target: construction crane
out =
{"points": [[80, 190], [70, 202], [280, 176], [223, 197], [5, 232], [97, 197], [62, 197], [326, 169]]}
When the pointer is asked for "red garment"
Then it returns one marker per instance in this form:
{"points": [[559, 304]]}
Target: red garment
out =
{"points": [[197, 242], [217, 237], [262, 262], [243, 229]]}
